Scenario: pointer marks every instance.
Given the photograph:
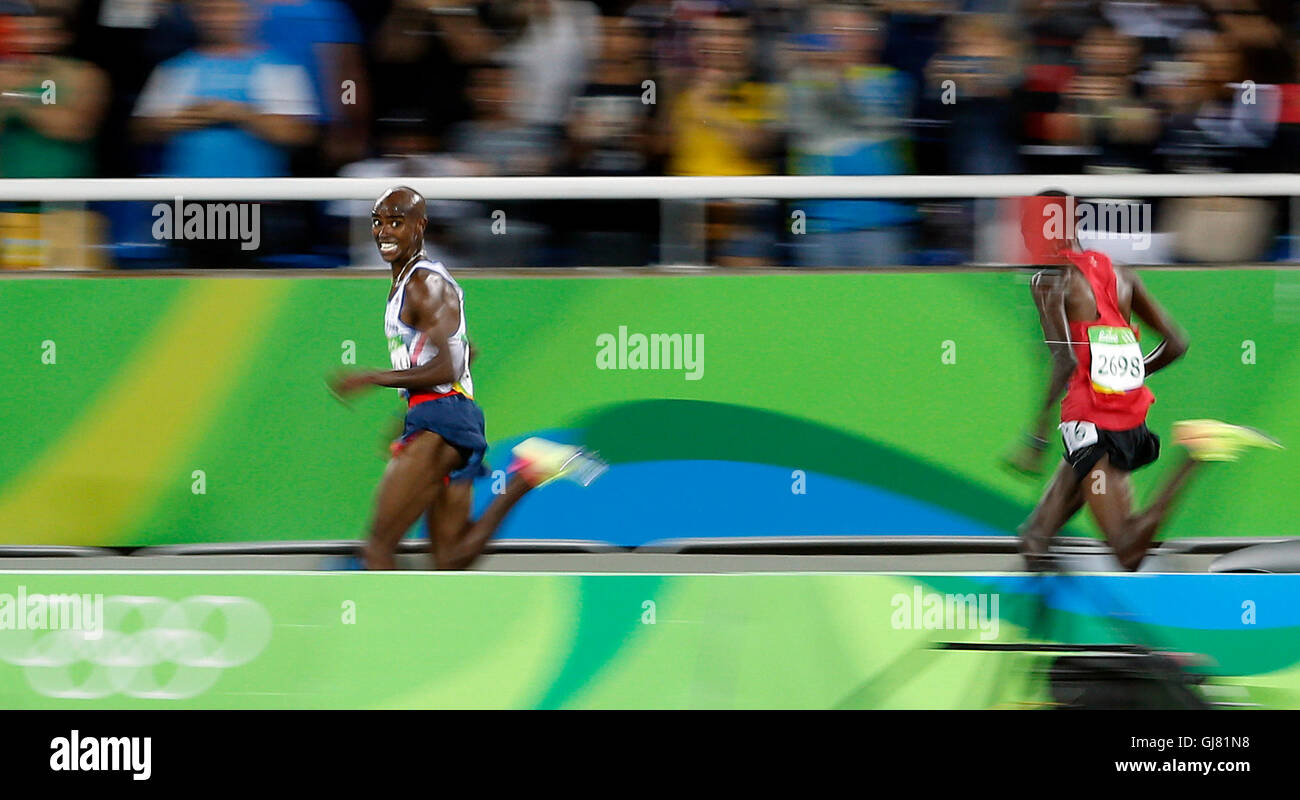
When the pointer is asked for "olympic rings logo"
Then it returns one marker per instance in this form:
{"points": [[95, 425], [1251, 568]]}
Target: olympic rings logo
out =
{"points": [[181, 633]]}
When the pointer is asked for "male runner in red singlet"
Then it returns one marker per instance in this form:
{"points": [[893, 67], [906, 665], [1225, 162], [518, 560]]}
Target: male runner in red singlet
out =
{"points": [[441, 450], [1084, 306]]}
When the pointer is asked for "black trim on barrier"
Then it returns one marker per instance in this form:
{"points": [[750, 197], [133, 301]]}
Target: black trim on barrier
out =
{"points": [[53, 551], [1219, 544], [547, 546], [859, 545], [347, 547], [1036, 647], [928, 545], [1271, 557], [755, 545]]}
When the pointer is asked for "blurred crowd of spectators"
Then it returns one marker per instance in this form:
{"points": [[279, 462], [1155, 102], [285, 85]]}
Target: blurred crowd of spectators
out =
{"points": [[260, 88]]}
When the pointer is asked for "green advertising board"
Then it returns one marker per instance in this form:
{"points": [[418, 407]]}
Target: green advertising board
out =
{"points": [[161, 410]]}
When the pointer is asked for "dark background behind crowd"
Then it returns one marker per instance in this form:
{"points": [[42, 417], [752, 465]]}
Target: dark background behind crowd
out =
{"points": [[385, 88]]}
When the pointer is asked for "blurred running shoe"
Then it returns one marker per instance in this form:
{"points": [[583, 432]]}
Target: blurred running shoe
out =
{"points": [[541, 461], [1211, 440]]}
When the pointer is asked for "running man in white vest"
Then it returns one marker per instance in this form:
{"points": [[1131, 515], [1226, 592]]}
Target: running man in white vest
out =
{"points": [[441, 450]]}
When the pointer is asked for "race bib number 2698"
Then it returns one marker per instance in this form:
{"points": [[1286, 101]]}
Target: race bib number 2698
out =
{"points": [[1117, 364]]}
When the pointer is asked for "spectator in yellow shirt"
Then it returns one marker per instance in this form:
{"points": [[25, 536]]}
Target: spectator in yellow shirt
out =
{"points": [[724, 122]]}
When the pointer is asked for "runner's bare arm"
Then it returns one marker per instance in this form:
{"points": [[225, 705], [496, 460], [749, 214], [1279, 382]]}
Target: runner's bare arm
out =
{"points": [[1048, 289], [1049, 296], [1173, 342], [433, 309]]}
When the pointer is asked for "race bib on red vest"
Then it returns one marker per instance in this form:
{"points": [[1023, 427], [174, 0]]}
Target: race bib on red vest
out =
{"points": [[1117, 364]]}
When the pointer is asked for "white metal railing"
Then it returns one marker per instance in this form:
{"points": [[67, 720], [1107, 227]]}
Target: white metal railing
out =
{"points": [[682, 200], [651, 188]]}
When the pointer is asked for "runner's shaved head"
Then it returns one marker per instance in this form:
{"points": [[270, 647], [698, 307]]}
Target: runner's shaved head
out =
{"points": [[400, 201]]}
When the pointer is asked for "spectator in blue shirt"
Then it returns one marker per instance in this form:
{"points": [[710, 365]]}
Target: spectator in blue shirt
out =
{"points": [[226, 109]]}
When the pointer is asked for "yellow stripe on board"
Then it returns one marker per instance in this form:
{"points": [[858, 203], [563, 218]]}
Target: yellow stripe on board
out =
{"points": [[113, 463]]}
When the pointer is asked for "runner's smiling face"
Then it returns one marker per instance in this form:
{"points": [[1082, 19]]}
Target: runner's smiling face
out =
{"points": [[398, 230]]}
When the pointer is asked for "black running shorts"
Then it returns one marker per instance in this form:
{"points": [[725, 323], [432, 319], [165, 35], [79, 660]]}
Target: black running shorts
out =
{"points": [[1085, 444]]}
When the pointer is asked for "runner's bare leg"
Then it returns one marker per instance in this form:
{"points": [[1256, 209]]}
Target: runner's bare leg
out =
{"points": [[455, 539], [1061, 501], [1109, 496], [409, 484]]}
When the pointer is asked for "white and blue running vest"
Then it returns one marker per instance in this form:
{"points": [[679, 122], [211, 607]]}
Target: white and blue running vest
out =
{"points": [[408, 347]]}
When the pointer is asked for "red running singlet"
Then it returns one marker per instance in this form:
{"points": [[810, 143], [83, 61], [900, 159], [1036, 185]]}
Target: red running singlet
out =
{"points": [[1108, 387]]}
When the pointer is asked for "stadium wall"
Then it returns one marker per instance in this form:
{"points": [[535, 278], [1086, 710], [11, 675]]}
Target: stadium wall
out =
{"points": [[156, 410]]}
